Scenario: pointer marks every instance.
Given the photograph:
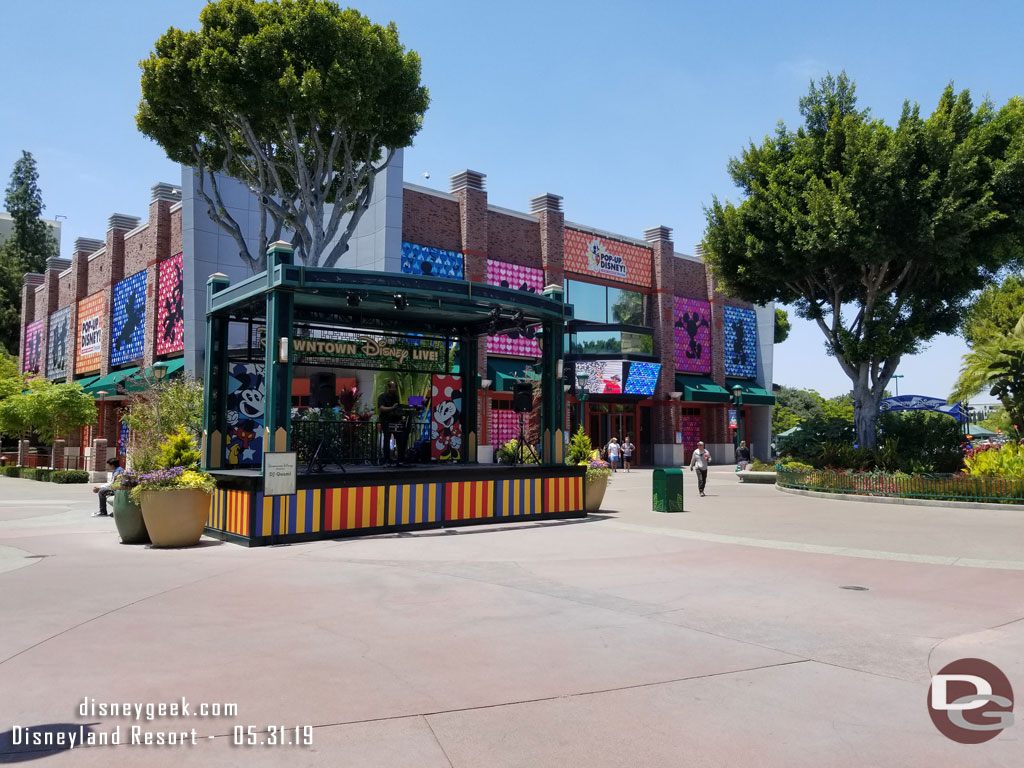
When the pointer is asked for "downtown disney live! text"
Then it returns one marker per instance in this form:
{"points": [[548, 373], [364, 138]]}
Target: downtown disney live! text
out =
{"points": [[92, 734]]}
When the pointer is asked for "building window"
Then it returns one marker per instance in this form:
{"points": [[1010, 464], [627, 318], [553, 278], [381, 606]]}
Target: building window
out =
{"points": [[605, 304], [609, 342]]}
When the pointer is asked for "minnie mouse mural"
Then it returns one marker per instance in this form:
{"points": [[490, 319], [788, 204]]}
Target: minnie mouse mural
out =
{"points": [[446, 418]]}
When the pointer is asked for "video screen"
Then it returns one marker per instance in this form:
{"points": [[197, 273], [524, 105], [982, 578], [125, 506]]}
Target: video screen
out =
{"points": [[642, 378]]}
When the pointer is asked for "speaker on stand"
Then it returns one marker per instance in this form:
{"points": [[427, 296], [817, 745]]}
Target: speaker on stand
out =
{"points": [[522, 397], [322, 390]]}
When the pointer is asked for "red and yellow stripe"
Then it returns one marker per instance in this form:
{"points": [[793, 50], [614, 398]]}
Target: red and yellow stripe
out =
{"points": [[350, 508], [229, 511], [563, 494], [470, 500]]}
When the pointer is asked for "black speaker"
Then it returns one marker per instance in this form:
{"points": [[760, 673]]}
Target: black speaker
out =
{"points": [[321, 390], [522, 397]]}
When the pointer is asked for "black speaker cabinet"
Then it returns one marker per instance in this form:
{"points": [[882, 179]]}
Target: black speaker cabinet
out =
{"points": [[522, 397], [321, 390]]}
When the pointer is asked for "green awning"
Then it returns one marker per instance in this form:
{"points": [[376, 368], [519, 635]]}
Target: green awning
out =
{"points": [[752, 395], [109, 382], [699, 389], [85, 382], [173, 368]]}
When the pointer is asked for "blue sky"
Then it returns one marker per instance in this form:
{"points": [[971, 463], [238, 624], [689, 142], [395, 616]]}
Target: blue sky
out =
{"points": [[629, 111]]}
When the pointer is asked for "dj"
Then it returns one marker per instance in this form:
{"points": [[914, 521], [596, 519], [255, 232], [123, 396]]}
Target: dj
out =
{"points": [[390, 417]]}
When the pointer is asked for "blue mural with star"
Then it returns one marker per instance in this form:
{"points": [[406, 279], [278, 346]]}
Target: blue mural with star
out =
{"points": [[128, 329], [424, 260], [740, 342]]}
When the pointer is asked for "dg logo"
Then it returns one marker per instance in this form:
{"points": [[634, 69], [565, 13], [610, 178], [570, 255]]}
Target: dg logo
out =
{"points": [[970, 701]]}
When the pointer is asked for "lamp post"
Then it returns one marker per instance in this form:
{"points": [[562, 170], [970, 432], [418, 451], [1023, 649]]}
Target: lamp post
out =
{"points": [[103, 395], [737, 399], [485, 385], [896, 378], [159, 374], [582, 379], [676, 397]]}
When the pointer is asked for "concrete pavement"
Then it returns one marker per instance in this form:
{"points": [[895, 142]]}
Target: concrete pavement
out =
{"points": [[716, 637]]}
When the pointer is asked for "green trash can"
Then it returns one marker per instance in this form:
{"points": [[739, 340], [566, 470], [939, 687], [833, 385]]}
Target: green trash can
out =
{"points": [[668, 490]]}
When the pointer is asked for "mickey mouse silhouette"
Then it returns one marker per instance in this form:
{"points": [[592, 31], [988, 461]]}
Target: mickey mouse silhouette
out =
{"points": [[692, 323]]}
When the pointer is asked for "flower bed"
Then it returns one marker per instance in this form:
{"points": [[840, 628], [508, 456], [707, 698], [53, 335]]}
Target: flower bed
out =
{"points": [[958, 487]]}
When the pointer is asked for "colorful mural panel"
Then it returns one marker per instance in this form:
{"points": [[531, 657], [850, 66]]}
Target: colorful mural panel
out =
{"points": [[446, 418], [740, 342], [57, 344], [689, 425], [91, 311], [281, 515], [32, 360], [519, 497], [424, 260], [530, 279], [246, 390], [563, 494], [642, 378], [128, 324], [504, 427], [588, 254], [692, 326], [229, 511], [170, 326]]}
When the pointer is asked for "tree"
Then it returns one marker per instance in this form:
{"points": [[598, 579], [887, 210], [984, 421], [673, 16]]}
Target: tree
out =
{"points": [[803, 403], [26, 250], [782, 325], [995, 312], [998, 366], [158, 411], [301, 101], [12, 382], [879, 234], [55, 410], [783, 419]]}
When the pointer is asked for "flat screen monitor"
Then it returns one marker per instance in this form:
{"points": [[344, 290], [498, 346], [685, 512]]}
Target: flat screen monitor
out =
{"points": [[642, 378]]}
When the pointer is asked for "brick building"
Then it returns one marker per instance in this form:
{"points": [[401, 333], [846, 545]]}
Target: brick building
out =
{"points": [[659, 349]]}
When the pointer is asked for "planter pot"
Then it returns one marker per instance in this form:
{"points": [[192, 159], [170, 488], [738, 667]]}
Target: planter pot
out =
{"points": [[177, 517], [595, 493], [128, 519]]}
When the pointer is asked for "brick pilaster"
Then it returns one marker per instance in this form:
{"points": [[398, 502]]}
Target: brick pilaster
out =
{"points": [[660, 313], [84, 246], [57, 461], [548, 210], [468, 187], [32, 281], [118, 225]]}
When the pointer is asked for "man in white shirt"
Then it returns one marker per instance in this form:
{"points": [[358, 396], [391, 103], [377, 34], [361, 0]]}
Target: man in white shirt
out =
{"points": [[105, 491], [700, 461]]}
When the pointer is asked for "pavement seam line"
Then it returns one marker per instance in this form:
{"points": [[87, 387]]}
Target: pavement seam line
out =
{"points": [[444, 751]]}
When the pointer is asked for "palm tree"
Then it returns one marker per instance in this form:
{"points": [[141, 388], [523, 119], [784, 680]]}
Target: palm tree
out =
{"points": [[996, 365]]}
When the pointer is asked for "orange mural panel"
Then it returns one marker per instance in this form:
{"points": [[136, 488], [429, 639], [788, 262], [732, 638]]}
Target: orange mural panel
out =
{"points": [[92, 321], [593, 256]]}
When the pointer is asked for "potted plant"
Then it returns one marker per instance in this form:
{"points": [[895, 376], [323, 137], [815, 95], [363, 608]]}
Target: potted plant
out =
{"points": [[581, 453], [131, 527], [175, 499]]}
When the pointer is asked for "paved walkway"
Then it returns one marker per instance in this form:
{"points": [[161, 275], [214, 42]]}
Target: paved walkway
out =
{"points": [[716, 637]]}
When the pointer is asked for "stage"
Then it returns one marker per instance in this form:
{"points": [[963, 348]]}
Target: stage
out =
{"points": [[369, 500]]}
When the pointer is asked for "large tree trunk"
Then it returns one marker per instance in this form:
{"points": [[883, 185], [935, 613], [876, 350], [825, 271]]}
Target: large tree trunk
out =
{"points": [[866, 403]]}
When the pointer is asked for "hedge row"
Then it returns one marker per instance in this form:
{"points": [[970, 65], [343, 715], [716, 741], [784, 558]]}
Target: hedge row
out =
{"points": [[63, 476]]}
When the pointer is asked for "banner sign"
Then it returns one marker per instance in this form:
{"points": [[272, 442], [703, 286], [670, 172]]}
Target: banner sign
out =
{"points": [[446, 418], [128, 326], [923, 403], [90, 333], [170, 319], [594, 256], [321, 346], [32, 360], [692, 328], [740, 342], [57, 345]]}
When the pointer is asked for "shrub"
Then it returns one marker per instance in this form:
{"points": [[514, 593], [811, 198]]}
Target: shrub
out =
{"points": [[509, 453], [44, 475], [580, 448], [12, 471], [66, 476], [29, 473], [179, 450], [1005, 461], [175, 478], [759, 466]]}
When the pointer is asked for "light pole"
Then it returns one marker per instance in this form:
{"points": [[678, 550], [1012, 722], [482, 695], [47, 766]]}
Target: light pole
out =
{"points": [[103, 395], [737, 399], [896, 378], [159, 374], [582, 379]]}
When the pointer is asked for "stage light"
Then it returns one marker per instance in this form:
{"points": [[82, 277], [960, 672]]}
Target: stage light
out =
{"points": [[353, 299], [401, 302], [530, 332], [513, 333]]}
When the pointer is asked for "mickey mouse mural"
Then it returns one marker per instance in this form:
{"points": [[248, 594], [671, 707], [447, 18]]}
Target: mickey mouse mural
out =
{"points": [[446, 418], [246, 390]]}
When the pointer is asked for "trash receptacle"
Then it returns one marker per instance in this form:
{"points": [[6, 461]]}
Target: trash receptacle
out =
{"points": [[668, 490]]}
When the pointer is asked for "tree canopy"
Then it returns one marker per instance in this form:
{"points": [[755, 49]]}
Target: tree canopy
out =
{"points": [[782, 325], [31, 243], [879, 234], [995, 311], [298, 99]]}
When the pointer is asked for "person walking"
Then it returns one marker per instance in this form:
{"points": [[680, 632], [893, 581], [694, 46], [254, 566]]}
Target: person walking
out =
{"points": [[742, 456], [105, 490], [700, 461], [613, 453], [627, 453]]}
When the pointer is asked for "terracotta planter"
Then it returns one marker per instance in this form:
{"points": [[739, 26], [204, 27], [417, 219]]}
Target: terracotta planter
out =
{"points": [[177, 517], [128, 519], [595, 493]]}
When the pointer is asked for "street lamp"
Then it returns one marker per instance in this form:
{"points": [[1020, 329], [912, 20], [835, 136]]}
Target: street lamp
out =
{"points": [[581, 380], [896, 378], [737, 399], [103, 394], [159, 374], [676, 397]]}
